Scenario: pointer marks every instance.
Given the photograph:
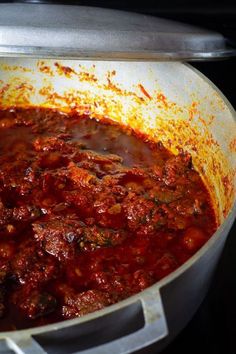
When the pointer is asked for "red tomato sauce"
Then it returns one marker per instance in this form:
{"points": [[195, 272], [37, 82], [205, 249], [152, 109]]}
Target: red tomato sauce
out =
{"points": [[90, 213]]}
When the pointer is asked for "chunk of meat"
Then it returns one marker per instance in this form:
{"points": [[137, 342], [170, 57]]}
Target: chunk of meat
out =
{"points": [[142, 279], [7, 249], [12, 118], [124, 284], [175, 167], [187, 207], [62, 237], [55, 180], [28, 266], [140, 211], [83, 202], [165, 265], [108, 213], [12, 174], [136, 210], [58, 236], [98, 236], [165, 195], [5, 216], [52, 160], [80, 176], [49, 144], [119, 286], [79, 304], [35, 304], [26, 213], [97, 158]]}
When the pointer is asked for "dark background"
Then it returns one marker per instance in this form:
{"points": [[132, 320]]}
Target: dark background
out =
{"points": [[213, 328]]}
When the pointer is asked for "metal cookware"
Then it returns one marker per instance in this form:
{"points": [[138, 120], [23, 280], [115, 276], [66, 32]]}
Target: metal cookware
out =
{"points": [[171, 102]]}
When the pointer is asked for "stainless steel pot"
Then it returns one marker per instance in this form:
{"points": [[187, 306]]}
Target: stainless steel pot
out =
{"points": [[171, 102]]}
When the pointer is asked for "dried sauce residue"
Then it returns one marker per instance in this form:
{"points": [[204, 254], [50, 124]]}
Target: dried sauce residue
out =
{"points": [[144, 91], [64, 70], [162, 100], [46, 69], [86, 76], [4, 90], [17, 89], [232, 145], [193, 110], [18, 68]]}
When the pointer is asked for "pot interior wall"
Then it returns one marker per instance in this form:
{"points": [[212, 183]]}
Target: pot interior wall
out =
{"points": [[168, 101]]}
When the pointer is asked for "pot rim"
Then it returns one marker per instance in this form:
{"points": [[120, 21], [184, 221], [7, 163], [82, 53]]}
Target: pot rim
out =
{"points": [[156, 286]]}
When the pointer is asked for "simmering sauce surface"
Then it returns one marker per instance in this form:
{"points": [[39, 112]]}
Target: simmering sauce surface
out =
{"points": [[90, 213]]}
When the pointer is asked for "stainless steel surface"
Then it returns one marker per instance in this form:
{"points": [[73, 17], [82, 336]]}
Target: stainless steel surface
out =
{"points": [[24, 345], [157, 315], [154, 329], [85, 32]]}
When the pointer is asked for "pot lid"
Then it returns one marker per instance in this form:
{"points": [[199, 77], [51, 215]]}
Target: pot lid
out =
{"points": [[95, 33]]}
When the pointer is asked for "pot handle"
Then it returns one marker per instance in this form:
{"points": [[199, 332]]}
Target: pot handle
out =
{"points": [[24, 345], [154, 329]]}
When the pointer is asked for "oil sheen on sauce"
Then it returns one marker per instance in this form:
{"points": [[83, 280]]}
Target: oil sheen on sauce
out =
{"points": [[91, 213]]}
